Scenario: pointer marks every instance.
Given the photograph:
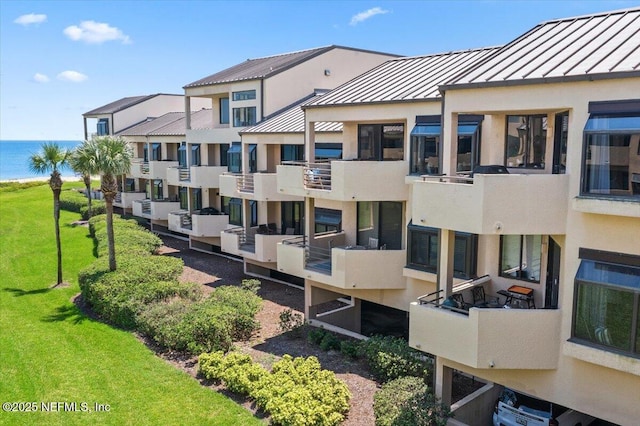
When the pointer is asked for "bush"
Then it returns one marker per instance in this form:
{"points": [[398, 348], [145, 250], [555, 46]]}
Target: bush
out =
{"points": [[76, 202], [407, 401], [298, 392], [238, 372], [290, 321], [350, 348], [316, 335], [241, 307], [391, 357], [129, 237], [329, 342], [251, 285]]}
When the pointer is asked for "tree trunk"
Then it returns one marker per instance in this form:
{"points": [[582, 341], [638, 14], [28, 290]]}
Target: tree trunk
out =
{"points": [[56, 186], [109, 189], [87, 184]]}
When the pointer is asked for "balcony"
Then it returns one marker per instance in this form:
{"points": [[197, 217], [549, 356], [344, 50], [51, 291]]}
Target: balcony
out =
{"points": [[346, 180], [139, 169], [487, 204], [179, 222], [253, 186], [346, 267], [125, 200], [497, 338], [196, 176], [221, 135], [154, 210], [158, 169], [251, 245]]}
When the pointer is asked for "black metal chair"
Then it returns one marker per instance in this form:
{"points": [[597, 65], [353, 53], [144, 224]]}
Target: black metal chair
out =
{"points": [[480, 298]]}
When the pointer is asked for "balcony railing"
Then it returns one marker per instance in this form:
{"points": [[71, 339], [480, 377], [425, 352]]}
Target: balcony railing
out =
{"points": [[146, 206], [317, 176], [184, 174]]}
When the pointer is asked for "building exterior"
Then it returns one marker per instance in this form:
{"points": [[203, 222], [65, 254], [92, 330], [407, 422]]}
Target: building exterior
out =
{"points": [[240, 97], [511, 178]]}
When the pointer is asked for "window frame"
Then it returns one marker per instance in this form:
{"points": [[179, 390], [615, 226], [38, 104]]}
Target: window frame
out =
{"points": [[244, 116], [608, 259], [243, 95], [377, 140], [520, 276], [528, 142], [224, 110]]}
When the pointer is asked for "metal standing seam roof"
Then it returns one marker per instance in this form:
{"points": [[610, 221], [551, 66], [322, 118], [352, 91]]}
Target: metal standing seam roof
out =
{"points": [[594, 45], [170, 124], [404, 79], [291, 120], [259, 68], [121, 104]]}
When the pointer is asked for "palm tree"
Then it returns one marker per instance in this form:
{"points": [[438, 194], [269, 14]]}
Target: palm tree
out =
{"points": [[51, 159], [81, 161], [111, 157]]}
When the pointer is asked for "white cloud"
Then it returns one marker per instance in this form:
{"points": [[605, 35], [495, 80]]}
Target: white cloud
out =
{"points": [[72, 76], [40, 78], [95, 33], [31, 18], [363, 16]]}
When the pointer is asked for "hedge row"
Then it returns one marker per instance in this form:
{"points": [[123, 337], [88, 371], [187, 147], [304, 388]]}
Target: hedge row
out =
{"points": [[144, 294], [76, 202], [297, 392]]}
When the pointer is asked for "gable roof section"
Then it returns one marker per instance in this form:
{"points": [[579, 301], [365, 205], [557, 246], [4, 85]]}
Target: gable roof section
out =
{"points": [[259, 68], [601, 45], [291, 120], [403, 79], [121, 104]]}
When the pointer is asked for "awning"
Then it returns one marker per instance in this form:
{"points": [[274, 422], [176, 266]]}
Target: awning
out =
{"points": [[426, 130], [600, 123]]}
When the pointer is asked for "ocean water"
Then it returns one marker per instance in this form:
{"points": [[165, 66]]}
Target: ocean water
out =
{"points": [[14, 158]]}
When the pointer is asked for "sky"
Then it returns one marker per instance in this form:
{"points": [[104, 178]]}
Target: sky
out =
{"points": [[60, 59]]}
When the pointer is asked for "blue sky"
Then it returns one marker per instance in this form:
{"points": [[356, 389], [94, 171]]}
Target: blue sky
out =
{"points": [[59, 59]]}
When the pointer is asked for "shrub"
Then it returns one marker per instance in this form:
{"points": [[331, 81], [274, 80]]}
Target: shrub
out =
{"points": [[350, 348], [316, 335], [210, 365], [329, 342], [75, 201], [407, 401], [391, 357], [241, 306], [290, 321], [129, 236], [298, 392], [238, 372], [251, 285]]}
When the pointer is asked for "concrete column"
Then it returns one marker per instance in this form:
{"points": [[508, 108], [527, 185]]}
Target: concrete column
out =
{"points": [[187, 111], [309, 141], [449, 143], [309, 219], [445, 261], [443, 381]]}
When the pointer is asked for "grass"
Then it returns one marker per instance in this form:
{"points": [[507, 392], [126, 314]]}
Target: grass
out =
{"points": [[51, 352]]}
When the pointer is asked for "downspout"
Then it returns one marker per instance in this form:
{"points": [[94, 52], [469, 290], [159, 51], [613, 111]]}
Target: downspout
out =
{"points": [[261, 99]]}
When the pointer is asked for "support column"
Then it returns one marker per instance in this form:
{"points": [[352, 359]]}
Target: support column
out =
{"points": [[449, 144], [310, 141], [187, 111], [446, 247], [443, 382]]}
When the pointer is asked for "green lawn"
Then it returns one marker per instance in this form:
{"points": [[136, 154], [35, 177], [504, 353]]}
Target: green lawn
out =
{"points": [[50, 352]]}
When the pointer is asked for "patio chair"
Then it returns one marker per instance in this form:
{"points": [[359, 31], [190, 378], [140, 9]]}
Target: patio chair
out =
{"points": [[373, 244], [460, 302], [480, 299]]}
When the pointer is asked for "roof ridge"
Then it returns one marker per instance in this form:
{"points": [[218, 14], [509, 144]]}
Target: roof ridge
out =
{"points": [[295, 52], [590, 15]]}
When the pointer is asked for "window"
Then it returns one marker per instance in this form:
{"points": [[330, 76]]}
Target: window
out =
{"points": [[520, 257], [243, 117], [381, 142], [243, 95], [328, 151], [253, 210], [292, 212], [102, 127], [156, 152], [291, 153], [184, 199], [196, 199], [611, 158], [468, 143], [425, 147], [224, 110], [234, 210], [328, 220], [526, 141], [253, 158], [380, 224], [182, 155], [195, 155], [158, 193], [607, 301], [423, 249], [145, 153], [130, 185], [224, 159], [234, 157]]}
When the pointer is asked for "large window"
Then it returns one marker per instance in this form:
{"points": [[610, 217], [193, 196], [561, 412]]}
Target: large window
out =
{"points": [[233, 208], [224, 157], [196, 199], [156, 152], [611, 165], [328, 151], [425, 148], [103, 127], [234, 157], [381, 142], [158, 192], [243, 117], [526, 141], [291, 152], [607, 301], [328, 220], [423, 249], [196, 156], [183, 197], [182, 155], [244, 95], [292, 213], [224, 110], [380, 224], [520, 257]]}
